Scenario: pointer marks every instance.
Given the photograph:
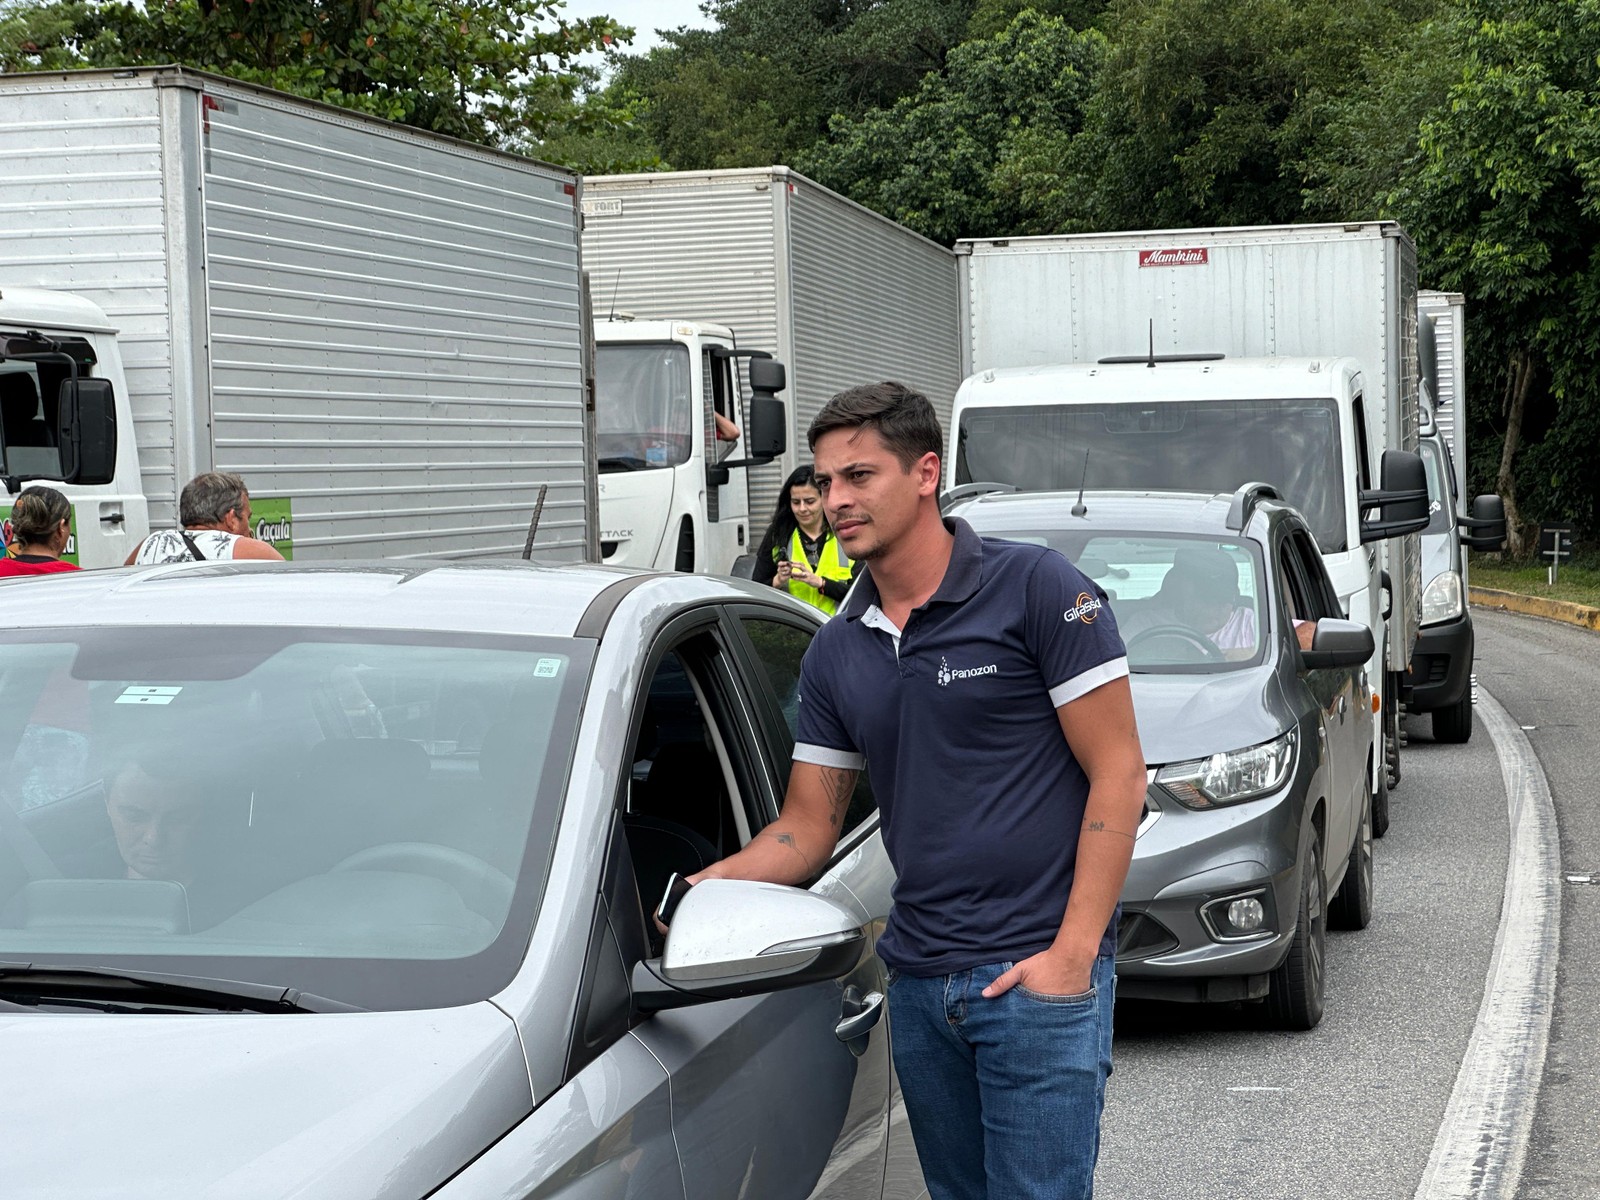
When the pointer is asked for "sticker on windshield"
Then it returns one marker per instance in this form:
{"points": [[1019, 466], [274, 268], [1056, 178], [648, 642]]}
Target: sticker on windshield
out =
{"points": [[148, 695], [547, 668]]}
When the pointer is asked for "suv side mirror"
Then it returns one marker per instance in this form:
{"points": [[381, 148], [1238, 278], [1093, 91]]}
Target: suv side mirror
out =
{"points": [[86, 431], [732, 937], [1487, 522], [1402, 499], [1338, 644]]}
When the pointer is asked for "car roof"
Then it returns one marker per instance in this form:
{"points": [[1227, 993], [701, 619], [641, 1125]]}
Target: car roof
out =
{"points": [[493, 596], [1165, 512]]}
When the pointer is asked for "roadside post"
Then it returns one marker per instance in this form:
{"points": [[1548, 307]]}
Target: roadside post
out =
{"points": [[1555, 544]]}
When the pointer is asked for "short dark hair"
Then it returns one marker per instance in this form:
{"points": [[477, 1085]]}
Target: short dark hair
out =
{"points": [[903, 417]]}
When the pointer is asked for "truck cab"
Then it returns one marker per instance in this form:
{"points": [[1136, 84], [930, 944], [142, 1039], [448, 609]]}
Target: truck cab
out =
{"points": [[673, 491], [1211, 424], [51, 345]]}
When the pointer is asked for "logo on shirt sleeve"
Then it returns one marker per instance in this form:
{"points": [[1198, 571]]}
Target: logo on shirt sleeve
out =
{"points": [[1086, 609]]}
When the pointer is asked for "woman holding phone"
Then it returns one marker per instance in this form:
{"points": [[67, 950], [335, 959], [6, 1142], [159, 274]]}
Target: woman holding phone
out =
{"points": [[799, 553]]}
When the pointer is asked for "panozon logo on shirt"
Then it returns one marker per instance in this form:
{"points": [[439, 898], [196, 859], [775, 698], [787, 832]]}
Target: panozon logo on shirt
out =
{"points": [[1086, 609], [949, 674]]}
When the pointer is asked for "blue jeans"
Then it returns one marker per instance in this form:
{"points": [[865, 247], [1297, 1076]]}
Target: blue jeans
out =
{"points": [[1004, 1095]]}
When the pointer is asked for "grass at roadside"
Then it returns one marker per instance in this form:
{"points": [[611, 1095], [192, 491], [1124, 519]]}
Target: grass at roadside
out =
{"points": [[1580, 584]]}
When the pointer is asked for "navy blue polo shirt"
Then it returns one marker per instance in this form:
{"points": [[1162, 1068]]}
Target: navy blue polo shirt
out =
{"points": [[955, 719]]}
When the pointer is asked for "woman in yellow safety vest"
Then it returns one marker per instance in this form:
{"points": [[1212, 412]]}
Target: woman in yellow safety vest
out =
{"points": [[799, 553]]}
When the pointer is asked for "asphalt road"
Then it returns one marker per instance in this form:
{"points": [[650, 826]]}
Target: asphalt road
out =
{"points": [[1548, 677], [1203, 1103]]}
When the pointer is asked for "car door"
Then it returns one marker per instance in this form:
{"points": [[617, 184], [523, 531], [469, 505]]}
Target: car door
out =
{"points": [[767, 1101], [1308, 596]]}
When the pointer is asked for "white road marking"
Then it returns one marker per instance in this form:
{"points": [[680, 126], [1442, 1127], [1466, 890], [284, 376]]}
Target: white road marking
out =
{"points": [[1483, 1139], [1257, 1089]]}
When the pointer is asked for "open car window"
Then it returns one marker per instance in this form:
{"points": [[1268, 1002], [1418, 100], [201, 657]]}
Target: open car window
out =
{"points": [[364, 816]]}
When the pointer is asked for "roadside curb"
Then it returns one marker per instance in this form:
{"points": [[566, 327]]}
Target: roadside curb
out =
{"points": [[1537, 606]]}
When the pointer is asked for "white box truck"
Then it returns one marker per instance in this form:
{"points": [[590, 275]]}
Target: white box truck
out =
{"points": [[1202, 359], [692, 270], [382, 330]]}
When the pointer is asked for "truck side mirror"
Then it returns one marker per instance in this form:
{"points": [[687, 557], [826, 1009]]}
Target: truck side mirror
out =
{"points": [[86, 430], [1487, 522], [1402, 498], [769, 419]]}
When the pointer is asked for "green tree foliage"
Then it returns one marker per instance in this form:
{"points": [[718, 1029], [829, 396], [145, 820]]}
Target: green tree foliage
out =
{"points": [[761, 88], [962, 154], [1505, 206], [496, 72]]}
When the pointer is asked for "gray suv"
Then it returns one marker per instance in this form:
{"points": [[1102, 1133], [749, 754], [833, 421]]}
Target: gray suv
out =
{"points": [[1258, 821]]}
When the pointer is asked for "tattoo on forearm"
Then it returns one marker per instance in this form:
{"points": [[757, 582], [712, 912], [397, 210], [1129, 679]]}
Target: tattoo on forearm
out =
{"points": [[839, 784], [1098, 826], [787, 841]]}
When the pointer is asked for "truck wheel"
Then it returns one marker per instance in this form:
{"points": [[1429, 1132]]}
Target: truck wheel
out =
{"points": [[685, 559], [1380, 806], [1294, 997], [1454, 724], [1352, 903]]}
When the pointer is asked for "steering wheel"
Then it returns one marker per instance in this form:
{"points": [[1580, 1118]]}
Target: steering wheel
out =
{"points": [[1211, 651], [483, 889]]}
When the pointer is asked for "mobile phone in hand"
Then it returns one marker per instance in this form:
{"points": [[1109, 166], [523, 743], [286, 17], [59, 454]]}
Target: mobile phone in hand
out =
{"points": [[677, 888]]}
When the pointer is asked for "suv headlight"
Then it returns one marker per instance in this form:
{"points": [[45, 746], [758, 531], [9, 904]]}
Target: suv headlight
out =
{"points": [[1441, 599], [1231, 777]]}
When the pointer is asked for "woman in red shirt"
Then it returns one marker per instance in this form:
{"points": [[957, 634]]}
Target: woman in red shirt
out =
{"points": [[40, 524]]}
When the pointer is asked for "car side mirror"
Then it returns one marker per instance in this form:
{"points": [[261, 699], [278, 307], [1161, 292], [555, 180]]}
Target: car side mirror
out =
{"points": [[1338, 643], [1402, 498], [1487, 522], [86, 431], [734, 937]]}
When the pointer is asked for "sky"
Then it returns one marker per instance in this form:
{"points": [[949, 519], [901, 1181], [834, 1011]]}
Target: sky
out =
{"points": [[646, 16]]}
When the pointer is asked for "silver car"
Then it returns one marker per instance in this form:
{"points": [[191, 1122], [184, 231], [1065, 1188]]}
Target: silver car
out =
{"points": [[1258, 821], [332, 881]]}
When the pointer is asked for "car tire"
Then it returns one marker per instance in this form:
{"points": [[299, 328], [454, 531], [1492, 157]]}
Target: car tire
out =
{"points": [[1391, 730], [1454, 724], [1352, 903], [1294, 996], [1380, 806]]}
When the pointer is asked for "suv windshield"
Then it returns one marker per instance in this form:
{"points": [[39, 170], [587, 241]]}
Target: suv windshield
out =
{"points": [[1193, 446], [1184, 605], [644, 410], [366, 816]]}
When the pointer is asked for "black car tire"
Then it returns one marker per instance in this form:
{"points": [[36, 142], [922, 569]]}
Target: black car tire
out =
{"points": [[1352, 903], [1380, 806], [1454, 724], [1391, 728], [1294, 996]]}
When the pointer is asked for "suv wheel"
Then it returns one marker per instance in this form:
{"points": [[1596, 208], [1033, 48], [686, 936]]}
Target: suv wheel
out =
{"points": [[1454, 724], [1352, 904], [1294, 997]]}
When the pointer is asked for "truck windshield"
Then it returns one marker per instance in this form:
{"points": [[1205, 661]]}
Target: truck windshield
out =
{"points": [[1441, 509], [363, 815], [1175, 445], [27, 422], [644, 405]]}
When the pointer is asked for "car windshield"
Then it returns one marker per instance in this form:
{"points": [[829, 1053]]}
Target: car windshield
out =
{"points": [[365, 816], [1440, 508], [1192, 446], [1184, 605], [644, 406]]}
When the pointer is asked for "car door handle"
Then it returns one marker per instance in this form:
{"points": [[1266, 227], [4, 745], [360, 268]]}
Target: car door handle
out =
{"points": [[868, 1012]]}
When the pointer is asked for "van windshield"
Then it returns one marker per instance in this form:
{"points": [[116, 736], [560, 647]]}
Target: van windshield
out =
{"points": [[27, 422], [364, 816], [644, 405], [1173, 445]]}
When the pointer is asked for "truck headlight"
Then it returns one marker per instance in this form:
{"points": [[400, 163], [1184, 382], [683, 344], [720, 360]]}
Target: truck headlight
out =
{"points": [[1441, 599], [1231, 777]]}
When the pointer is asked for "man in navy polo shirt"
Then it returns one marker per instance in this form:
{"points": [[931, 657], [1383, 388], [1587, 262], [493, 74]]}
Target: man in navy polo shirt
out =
{"points": [[984, 685]]}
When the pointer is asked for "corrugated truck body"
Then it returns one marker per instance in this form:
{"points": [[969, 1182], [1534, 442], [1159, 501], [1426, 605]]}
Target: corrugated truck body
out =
{"points": [[380, 329]]}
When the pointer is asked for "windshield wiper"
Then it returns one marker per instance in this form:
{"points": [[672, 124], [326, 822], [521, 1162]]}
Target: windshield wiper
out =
{"points": [[622, 462], [113, 984]]}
